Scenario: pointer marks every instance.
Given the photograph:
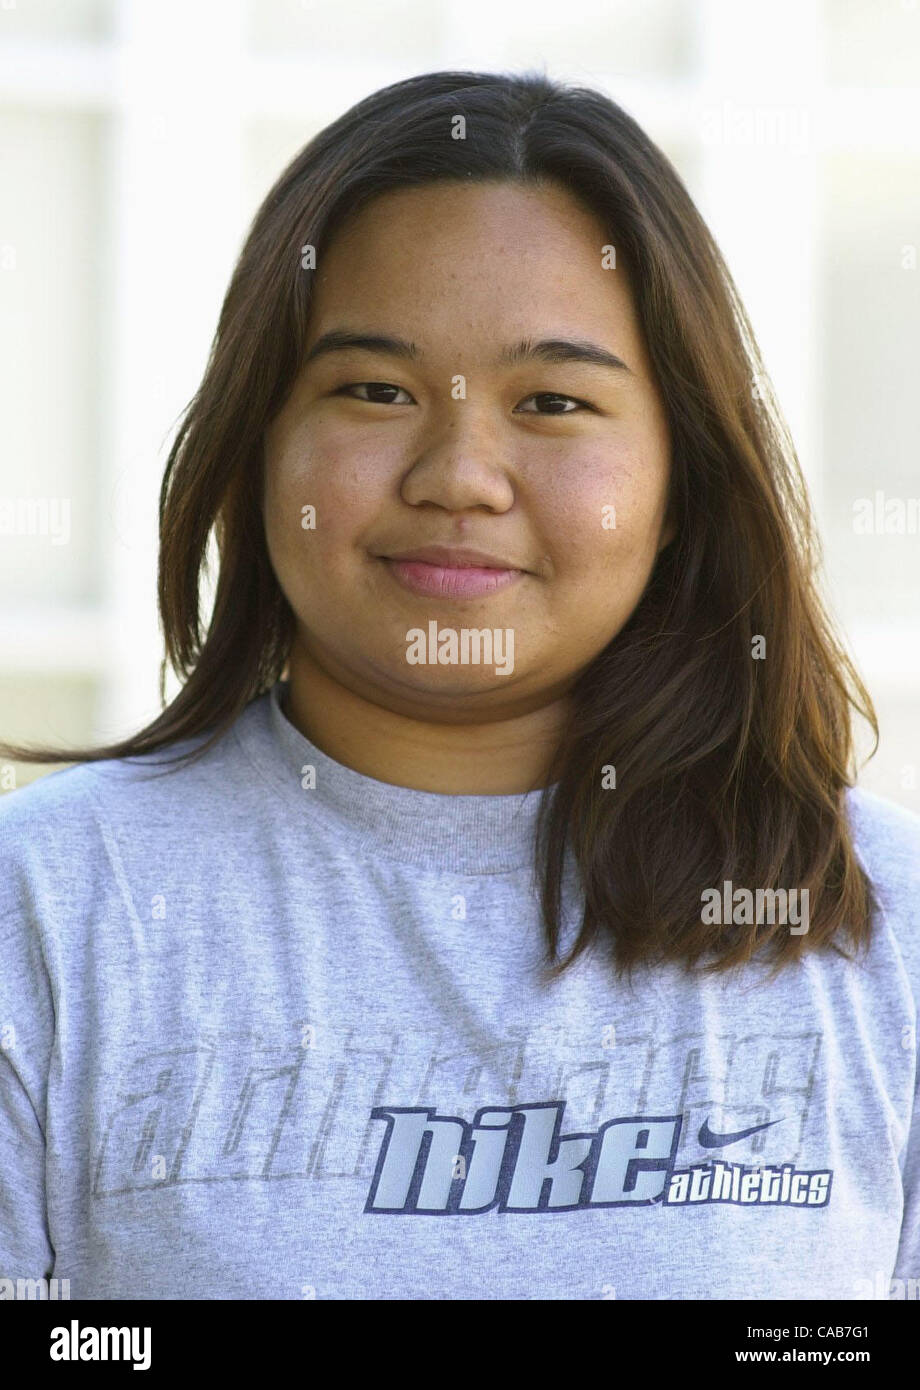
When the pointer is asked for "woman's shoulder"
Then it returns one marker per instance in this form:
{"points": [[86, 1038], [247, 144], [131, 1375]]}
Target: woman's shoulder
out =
{"points": [[63, 806], [72, 836], [55, 802], [886, 837]]}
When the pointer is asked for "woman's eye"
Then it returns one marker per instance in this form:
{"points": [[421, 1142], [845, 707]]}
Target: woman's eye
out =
{"points": [[377, 392], [385, 393], [549, 403]]}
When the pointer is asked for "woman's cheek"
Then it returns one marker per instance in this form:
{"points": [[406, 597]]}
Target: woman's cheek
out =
{"points": [[582, 517], [601, 552], [353, 475]]}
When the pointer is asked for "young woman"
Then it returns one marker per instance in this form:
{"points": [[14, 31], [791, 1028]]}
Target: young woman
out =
{"points": [[492, 914]]}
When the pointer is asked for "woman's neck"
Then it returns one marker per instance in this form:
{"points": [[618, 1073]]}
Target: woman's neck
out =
{"points": [[500, 757]]}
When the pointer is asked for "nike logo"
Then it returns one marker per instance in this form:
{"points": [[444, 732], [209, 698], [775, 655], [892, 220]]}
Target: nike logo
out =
{"points": [[716, 1141]]}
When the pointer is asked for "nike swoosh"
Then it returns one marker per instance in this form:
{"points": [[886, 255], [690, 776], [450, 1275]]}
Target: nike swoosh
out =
{"points": [[715, 1141]]}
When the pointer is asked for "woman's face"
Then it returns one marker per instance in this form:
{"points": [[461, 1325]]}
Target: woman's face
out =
{"points": [[470, 436]]}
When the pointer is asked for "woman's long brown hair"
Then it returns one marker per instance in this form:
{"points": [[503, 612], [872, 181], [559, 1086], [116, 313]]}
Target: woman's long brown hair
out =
{"points": [[727, 767]]}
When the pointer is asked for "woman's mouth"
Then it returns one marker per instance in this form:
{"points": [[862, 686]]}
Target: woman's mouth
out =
{"points": [[444, 572], [449, 581]]}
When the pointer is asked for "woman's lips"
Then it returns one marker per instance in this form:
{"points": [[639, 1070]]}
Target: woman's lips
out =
{"points": [[449, 581]]}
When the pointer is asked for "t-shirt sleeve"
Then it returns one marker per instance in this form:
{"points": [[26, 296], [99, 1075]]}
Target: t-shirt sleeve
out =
{"points": [[907, 1264], [888, 843], [27, 1024]]}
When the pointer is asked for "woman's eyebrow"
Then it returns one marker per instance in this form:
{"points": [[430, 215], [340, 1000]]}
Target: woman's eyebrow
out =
{"points": [[545, 350], [563, 350], [339, 339]]}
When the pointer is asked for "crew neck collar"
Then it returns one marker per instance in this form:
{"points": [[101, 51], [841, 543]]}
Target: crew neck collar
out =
{"points": [[460, 834]]}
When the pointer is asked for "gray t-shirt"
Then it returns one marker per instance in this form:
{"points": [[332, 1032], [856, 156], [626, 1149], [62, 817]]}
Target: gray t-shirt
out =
{"points": [[268, 1039]]}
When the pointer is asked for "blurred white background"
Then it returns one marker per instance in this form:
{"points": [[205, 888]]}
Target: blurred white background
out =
{"points": [[139, 137]]}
